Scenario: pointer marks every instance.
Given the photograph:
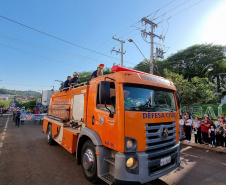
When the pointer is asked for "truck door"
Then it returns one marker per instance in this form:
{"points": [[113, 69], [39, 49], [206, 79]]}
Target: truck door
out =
{"points": [[104, 125]]}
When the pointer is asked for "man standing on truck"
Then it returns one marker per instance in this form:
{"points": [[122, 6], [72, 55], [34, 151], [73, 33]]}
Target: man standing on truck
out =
{"points": [[99, 71], [74, 80], [67, 82]]}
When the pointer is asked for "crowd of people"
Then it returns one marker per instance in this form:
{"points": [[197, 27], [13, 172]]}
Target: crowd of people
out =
{"points": [[206, 132], [70, 82]]}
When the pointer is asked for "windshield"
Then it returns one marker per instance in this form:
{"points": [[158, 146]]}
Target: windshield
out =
{"points": [[143, 99]]}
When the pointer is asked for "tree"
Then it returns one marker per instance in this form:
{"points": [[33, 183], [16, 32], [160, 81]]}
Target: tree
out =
{"points": [[61, 85], [194, 91], [197, 60], [143, 66]]}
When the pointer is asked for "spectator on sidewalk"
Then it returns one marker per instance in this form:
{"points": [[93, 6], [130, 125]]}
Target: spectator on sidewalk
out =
{"points": [[222, 132], [181, 122], [188, 123], [212, 134], [187, 114], [197, 130], [204, 129], [223, 115], [18, 116], [218, 133]]}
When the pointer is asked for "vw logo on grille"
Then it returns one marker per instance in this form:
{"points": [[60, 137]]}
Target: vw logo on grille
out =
{"points": [[163, 132]]}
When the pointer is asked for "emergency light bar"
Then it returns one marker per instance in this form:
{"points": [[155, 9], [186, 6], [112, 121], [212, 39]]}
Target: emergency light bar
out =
{"points": [[120, 68]]}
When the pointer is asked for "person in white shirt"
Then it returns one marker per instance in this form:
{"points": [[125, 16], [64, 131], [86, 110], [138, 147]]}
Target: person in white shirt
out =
{"points": [[181, 122], [188, 123], [197, 130], [218, 134]]}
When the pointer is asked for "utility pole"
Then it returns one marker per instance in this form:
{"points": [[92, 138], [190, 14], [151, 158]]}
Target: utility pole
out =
{"points": [[118, 51], [144, 34]]}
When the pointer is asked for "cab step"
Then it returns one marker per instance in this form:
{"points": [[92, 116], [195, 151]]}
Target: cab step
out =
{"points": [[108, 178], [110, 160]]}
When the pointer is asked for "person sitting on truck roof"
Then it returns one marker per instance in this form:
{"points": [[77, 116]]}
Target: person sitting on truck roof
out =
{"points": [[99, 71], [67, 82], [74, 80]]}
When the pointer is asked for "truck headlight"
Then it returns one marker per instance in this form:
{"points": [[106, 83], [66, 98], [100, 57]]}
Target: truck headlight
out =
{"points": [[130, 144], [132, 163]]}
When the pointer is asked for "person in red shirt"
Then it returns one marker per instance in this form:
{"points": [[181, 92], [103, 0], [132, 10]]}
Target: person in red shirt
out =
{"points": [[205, 124], [36, 111]]}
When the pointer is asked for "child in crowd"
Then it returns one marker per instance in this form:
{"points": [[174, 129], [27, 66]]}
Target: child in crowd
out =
{"points": [[212, 134], [181, 122], [197, 130]]}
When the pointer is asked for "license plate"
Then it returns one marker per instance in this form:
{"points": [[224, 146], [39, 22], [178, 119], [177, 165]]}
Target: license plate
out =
{"points": [[165, 161]]}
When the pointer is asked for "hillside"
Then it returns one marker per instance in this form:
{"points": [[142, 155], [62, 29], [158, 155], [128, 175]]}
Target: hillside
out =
{"points": [[21, 93]]}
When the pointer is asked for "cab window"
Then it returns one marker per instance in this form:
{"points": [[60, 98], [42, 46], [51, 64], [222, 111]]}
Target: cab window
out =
{"points": [[112, 104]]}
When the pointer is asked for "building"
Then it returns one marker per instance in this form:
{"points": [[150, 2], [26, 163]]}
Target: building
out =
{"points": [[46, 97], [4, 97]]}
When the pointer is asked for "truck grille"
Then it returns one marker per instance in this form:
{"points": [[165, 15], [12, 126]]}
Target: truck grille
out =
{"points": [[158, 148], [153, 139]]}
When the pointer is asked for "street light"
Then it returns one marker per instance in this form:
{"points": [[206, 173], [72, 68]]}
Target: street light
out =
{"points": [[59, 81], [131, 40]]}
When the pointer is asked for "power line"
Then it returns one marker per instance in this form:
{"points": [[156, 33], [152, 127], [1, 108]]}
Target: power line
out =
{"points": [[181, 11], [45, 47], [171, 9], [26, 85], [55, 37], [36, 55]]}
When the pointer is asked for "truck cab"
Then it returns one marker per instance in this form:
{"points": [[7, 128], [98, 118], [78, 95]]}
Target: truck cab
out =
{"points": [[127, 126]]}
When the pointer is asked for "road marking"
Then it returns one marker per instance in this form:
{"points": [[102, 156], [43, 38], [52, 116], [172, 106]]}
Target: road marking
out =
{"points": [[3, 137], [5, 129], [6, 124], [1, 144], [3, 133], [203, 158]]}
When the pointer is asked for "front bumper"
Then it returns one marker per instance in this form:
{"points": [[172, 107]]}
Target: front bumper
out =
{"points": [[149, 165]]}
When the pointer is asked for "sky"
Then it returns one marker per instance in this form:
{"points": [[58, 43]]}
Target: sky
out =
{"points": [[76, 35]]}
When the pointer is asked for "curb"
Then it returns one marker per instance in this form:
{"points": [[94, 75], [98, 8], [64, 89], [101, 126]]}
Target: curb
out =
{"points": [[203, 147]]}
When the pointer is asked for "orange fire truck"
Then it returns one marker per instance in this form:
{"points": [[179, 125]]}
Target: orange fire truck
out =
{"points": [[123, 127]]}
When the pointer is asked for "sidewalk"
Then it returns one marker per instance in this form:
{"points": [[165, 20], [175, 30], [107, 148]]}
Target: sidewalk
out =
{"points": [[192, 143]]}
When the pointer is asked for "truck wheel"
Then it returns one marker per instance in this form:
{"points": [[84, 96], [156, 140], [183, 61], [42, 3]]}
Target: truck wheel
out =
{"points": [[49, 135], [89, 161]]}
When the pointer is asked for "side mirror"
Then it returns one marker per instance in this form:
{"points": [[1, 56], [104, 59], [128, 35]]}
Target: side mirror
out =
{"points": [[104, 92], [104, 95], [178, 100]]}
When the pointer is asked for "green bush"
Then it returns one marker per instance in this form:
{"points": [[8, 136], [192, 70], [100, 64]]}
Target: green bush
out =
{"points": [[223, 92]]}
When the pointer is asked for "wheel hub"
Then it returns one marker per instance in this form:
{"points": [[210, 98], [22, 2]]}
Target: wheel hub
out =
{"points": [[88, 160]]}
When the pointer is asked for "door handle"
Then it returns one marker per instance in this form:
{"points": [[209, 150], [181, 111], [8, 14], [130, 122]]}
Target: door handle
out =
{"points": [[93, 120]]}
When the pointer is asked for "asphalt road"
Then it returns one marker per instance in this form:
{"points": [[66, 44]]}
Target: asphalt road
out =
{"points": [[26, 158]]}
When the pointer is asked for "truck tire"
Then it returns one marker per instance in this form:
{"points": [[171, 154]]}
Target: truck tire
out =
{"points": [[49, 135], [89, 161]]}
